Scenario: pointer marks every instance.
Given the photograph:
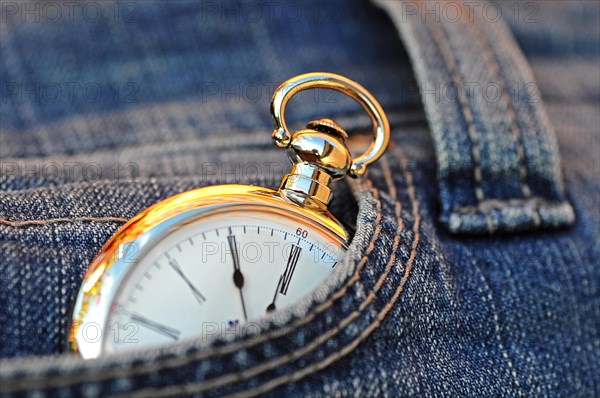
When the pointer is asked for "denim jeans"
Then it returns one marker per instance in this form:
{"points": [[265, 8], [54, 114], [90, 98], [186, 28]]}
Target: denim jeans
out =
{"points": [[474, 267]]}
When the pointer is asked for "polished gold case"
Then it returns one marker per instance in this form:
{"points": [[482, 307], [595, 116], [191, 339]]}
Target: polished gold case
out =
{"points": [[119, 255], [319, 155]]}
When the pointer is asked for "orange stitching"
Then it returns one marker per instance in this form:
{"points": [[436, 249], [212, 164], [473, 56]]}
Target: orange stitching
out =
{"points": [[338, 294], [315, 343], [261, 389], [45, 381], [253, 371], [4, 221]]}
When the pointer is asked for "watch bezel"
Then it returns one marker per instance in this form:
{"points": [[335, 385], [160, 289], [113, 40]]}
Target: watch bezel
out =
{"points": [[112, 264]]}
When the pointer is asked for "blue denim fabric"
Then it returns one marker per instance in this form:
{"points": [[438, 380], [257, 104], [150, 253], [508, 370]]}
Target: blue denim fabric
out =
{"points": [[412, 311]]}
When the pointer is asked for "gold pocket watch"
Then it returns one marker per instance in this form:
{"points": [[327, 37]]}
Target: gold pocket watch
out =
{"points": [[213, 260]]}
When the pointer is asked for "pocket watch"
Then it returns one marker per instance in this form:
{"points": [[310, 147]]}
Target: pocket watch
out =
{"points": [[213, 260]]}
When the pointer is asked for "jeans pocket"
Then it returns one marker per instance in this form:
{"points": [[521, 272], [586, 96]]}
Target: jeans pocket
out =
{"points": [[319, 330]]}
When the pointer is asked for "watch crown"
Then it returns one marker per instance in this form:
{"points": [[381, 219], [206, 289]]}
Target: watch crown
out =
{"points": [[327, 126], [319, 155], [323, 145]]}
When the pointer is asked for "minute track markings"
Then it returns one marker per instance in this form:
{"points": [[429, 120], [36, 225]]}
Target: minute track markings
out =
{"points": [[285, 233], [179, 255], [282, 285]]}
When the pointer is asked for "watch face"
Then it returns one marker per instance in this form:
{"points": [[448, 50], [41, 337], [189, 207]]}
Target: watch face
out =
{"points": [[210, 276], [216, 276]]}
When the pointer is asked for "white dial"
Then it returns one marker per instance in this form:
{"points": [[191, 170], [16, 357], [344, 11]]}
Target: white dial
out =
{"points": [[215, 277]]}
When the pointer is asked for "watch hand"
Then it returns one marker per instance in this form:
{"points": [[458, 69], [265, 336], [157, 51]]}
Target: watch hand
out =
{"points": [[290, 268], [238, 277], [175, 265], [271, 306], [286, 277], [157, 327]]}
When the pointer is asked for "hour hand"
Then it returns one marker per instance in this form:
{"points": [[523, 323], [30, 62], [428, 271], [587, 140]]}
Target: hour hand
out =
{"points": [[271, 307], [238, 277]]}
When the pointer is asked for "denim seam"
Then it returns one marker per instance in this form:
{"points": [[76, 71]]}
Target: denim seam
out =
{"points": [[534, 202], [229, 378], [24, 223], [198, 354], [491, 59], [515, 129], [253, 371], [473, 135], [285, 379]]}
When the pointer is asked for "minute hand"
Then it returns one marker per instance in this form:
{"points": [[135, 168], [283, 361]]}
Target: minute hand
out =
{"points": [[175, 265]]}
